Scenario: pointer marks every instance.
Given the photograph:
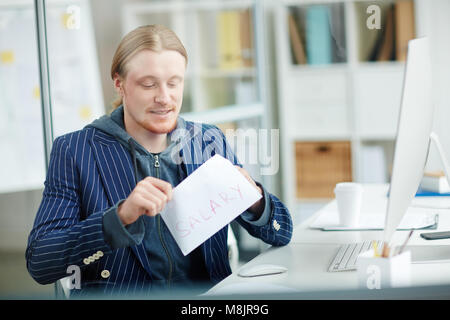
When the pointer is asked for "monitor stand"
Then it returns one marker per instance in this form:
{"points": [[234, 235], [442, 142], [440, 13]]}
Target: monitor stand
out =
{"points": [[432, 253], [435, 138]]}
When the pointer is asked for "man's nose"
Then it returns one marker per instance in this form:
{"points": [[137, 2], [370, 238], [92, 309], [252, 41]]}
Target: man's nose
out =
{"points": [[162, 96]]}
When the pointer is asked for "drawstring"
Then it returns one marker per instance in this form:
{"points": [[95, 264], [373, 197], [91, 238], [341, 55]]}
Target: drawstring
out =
{"points": [[133, 155]]}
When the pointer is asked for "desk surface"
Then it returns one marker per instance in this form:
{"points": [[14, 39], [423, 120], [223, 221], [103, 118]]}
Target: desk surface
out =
{"points": [[311, 251]]}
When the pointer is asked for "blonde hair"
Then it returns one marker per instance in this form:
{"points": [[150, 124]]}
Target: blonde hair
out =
{"points": [[151, 37]]}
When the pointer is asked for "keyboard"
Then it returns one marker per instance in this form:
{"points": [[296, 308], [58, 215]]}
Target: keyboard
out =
{"points": [[345, 259]]}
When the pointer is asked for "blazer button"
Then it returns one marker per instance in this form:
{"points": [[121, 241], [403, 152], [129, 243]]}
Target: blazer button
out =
{"points": [[86, 261], [276, 225], [96, 256], [91, 259], [100, 253], [105, 274]]}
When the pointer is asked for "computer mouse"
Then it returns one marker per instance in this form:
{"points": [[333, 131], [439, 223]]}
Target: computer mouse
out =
{"points": [[260, 270]]}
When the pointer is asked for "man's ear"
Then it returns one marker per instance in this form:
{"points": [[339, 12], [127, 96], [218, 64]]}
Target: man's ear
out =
{"points": [[118, 84]]}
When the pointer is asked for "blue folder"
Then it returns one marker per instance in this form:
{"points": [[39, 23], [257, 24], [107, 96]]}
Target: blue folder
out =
{"points": [[318, 35], [425, 193]]}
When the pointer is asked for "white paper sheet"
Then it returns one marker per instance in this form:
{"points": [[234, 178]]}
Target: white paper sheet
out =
{"points": [[207, 200], [415, 218]]}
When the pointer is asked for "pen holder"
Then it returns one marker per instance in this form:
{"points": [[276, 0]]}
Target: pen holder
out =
{"points": [[381, 273]]}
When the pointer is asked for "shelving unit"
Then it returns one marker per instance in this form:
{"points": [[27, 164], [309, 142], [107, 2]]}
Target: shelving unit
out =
{"points": [[345, 97]]}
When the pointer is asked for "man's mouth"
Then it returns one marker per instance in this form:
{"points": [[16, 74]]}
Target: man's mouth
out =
{"points": [[161, 111]]}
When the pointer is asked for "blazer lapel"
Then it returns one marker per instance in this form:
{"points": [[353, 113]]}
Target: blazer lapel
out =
{"points": [[191, 151], [117, 175]]}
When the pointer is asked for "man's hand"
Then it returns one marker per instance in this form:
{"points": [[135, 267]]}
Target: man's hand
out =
{"points": [[257, 207], [148, 197]]}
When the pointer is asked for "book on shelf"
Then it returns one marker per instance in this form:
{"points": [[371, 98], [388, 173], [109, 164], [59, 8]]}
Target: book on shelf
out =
{"points": [[389, 43], [386, 49], [296, 41], [435, 182], [317, 34], [246, 35], [229, 40], [337, 29], [368, 37], [234, 34], [318, 37], [404, 27]]}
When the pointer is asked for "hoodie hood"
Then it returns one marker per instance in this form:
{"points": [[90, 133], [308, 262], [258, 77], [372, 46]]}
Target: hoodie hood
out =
{"points": [[114, 125]]}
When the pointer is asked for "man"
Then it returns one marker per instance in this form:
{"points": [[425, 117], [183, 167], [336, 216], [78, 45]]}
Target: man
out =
{"points": [[107, 183]]}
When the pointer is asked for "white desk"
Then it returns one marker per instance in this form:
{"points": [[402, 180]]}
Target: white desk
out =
{"points": [[311, 251]]}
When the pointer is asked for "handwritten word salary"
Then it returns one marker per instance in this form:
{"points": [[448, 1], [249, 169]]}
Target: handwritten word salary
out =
{"points": [[186, 226]]}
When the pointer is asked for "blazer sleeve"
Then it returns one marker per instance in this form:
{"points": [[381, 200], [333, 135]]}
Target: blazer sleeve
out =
{"points": [[278, 229], [59, 237]]}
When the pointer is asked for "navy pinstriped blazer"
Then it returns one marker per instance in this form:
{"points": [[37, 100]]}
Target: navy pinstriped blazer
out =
{"points": [[89, 172]]}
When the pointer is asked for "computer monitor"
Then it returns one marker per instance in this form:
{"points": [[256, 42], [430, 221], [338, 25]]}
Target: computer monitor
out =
{"points": [[413, 135]]}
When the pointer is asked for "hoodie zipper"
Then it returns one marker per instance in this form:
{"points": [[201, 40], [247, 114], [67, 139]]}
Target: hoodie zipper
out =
{"points": [[158, 218]]}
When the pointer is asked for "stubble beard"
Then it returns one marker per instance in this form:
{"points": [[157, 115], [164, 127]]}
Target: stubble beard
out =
{"points": [[159, 128]]}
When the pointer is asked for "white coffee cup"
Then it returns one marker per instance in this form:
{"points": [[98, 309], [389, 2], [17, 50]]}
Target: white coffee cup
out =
{"points": [[349, 199]]}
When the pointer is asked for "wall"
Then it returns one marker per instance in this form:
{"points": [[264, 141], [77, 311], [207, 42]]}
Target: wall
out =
{"points": [[108, 33], [434, 22], [18, 210]]}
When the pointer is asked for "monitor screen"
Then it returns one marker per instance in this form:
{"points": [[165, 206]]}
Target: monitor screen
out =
{"points": [[413, 134]]}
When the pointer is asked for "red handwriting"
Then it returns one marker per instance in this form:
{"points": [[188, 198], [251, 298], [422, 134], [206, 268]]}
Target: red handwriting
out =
{"points": [[186, 226]]}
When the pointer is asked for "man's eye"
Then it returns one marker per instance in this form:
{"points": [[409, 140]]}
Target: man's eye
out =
{"points": [[172, 84], [148, 85]]}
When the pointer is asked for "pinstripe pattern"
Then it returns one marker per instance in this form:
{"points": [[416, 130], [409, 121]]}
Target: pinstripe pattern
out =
{"points": [[89, 172]]}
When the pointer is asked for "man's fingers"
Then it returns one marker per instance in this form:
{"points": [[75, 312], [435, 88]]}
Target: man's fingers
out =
{"points": [[156, 192], [158, 201], [162, 185], [148, 197], [149, 207], [149, 191]]}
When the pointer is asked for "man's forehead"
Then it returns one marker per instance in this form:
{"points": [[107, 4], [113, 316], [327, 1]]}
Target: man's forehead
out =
{"points": [[154, 77], [150, 64], [165, 56]]}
